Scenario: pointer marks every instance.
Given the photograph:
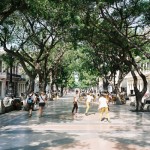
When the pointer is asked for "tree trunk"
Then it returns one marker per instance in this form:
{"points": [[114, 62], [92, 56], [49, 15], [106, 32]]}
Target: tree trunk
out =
{"points": [[139, 94], [105, 84], [116, 86], [61, 90], [41, 83], [117, 91], [139, 102], [31, 85]]}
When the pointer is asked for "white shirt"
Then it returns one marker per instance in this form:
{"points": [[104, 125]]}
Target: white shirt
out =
{"points": [[89, 98], [102, 102], [76, 97], [42, 98]]}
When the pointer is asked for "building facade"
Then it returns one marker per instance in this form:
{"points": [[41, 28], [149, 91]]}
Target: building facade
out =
{"points": [[19, 83], [128, 80], [127, 83]]}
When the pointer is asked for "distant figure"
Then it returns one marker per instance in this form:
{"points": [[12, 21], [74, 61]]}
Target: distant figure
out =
{"points": [[103, 108], [42, 100], [97, 97], [75, 102]]}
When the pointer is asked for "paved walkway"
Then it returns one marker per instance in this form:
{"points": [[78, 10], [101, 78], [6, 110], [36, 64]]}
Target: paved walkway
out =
{"points": [[59, 130]]}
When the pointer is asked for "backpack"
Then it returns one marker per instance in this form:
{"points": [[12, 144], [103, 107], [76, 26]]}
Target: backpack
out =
{"points": [[29, 100]]}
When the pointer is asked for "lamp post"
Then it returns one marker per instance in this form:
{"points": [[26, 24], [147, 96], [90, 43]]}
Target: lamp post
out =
{"points": [[37, 67], [11, 86], [50, 84]]}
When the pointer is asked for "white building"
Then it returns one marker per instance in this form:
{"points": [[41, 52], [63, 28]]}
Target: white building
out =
{"points": [[128, 81], [19, 83]]}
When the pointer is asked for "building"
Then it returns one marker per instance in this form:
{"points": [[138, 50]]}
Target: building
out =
{"points": [[18, 81], [127, 83], [128, 80]]}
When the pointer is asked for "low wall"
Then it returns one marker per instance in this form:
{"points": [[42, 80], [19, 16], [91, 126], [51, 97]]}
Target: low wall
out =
{"points": [[2, 107]]}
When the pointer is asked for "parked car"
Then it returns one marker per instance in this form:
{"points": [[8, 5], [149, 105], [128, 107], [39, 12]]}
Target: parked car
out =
{"points": [[147, 103], [12, 103], [7, 102]]}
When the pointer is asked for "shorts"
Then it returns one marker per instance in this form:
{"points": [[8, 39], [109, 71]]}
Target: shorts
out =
{"points": [[41, 104], [103, 110], [31, 105]]}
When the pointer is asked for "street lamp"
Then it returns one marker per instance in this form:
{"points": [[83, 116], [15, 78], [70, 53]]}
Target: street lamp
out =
{"points": [[37, 67], [11, 86]]}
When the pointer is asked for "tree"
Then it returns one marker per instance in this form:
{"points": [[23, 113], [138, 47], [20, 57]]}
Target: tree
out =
{"points": [[128, 20], [8, 7], [34, 34], [124, 20]]}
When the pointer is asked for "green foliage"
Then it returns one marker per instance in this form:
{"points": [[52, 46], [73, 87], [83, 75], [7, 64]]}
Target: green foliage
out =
{"points": [[8, 60], [101, 42]]}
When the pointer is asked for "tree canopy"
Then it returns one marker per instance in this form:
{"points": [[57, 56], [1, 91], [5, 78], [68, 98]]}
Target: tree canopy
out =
{"points": [[106, 34]]}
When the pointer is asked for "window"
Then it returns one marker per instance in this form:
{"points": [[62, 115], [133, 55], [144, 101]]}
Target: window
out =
{"points": [[1, 66]]}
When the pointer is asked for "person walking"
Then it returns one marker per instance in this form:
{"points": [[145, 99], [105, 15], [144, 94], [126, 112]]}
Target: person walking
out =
{"points": [[103, 108], [30, 102], [75, 102], [42, 100], [88, 101]]}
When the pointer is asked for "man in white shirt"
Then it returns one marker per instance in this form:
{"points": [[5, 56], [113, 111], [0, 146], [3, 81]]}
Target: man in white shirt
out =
{"points": [[103, 107]]}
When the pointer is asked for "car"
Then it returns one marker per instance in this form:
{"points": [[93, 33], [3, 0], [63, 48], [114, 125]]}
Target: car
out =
{"points": [[147, 103], [17, 103], [8, 103], [12, 103]]}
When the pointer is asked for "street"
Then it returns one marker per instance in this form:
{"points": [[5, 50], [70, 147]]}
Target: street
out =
{"points": [[58, 129]]}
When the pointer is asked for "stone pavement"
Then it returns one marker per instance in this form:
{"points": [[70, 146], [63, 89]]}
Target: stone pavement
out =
{"points": [[59, 130]]}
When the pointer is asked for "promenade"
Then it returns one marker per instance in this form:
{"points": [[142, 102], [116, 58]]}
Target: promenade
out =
{"points": [[59, 130]]}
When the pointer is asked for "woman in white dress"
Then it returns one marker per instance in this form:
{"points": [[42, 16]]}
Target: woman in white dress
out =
{"points": [[42, 101]]}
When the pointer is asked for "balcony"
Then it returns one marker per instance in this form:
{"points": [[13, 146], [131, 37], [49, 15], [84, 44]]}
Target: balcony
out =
{"points": [[2, 75], [14, 76]]}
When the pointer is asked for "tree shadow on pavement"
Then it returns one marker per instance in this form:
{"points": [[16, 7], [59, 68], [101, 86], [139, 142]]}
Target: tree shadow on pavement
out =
{"points": [[127, 140], [28, 139]]}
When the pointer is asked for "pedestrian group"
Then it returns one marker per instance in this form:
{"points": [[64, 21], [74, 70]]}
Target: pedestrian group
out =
{"points": [[101, 100], [34, 99]]}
